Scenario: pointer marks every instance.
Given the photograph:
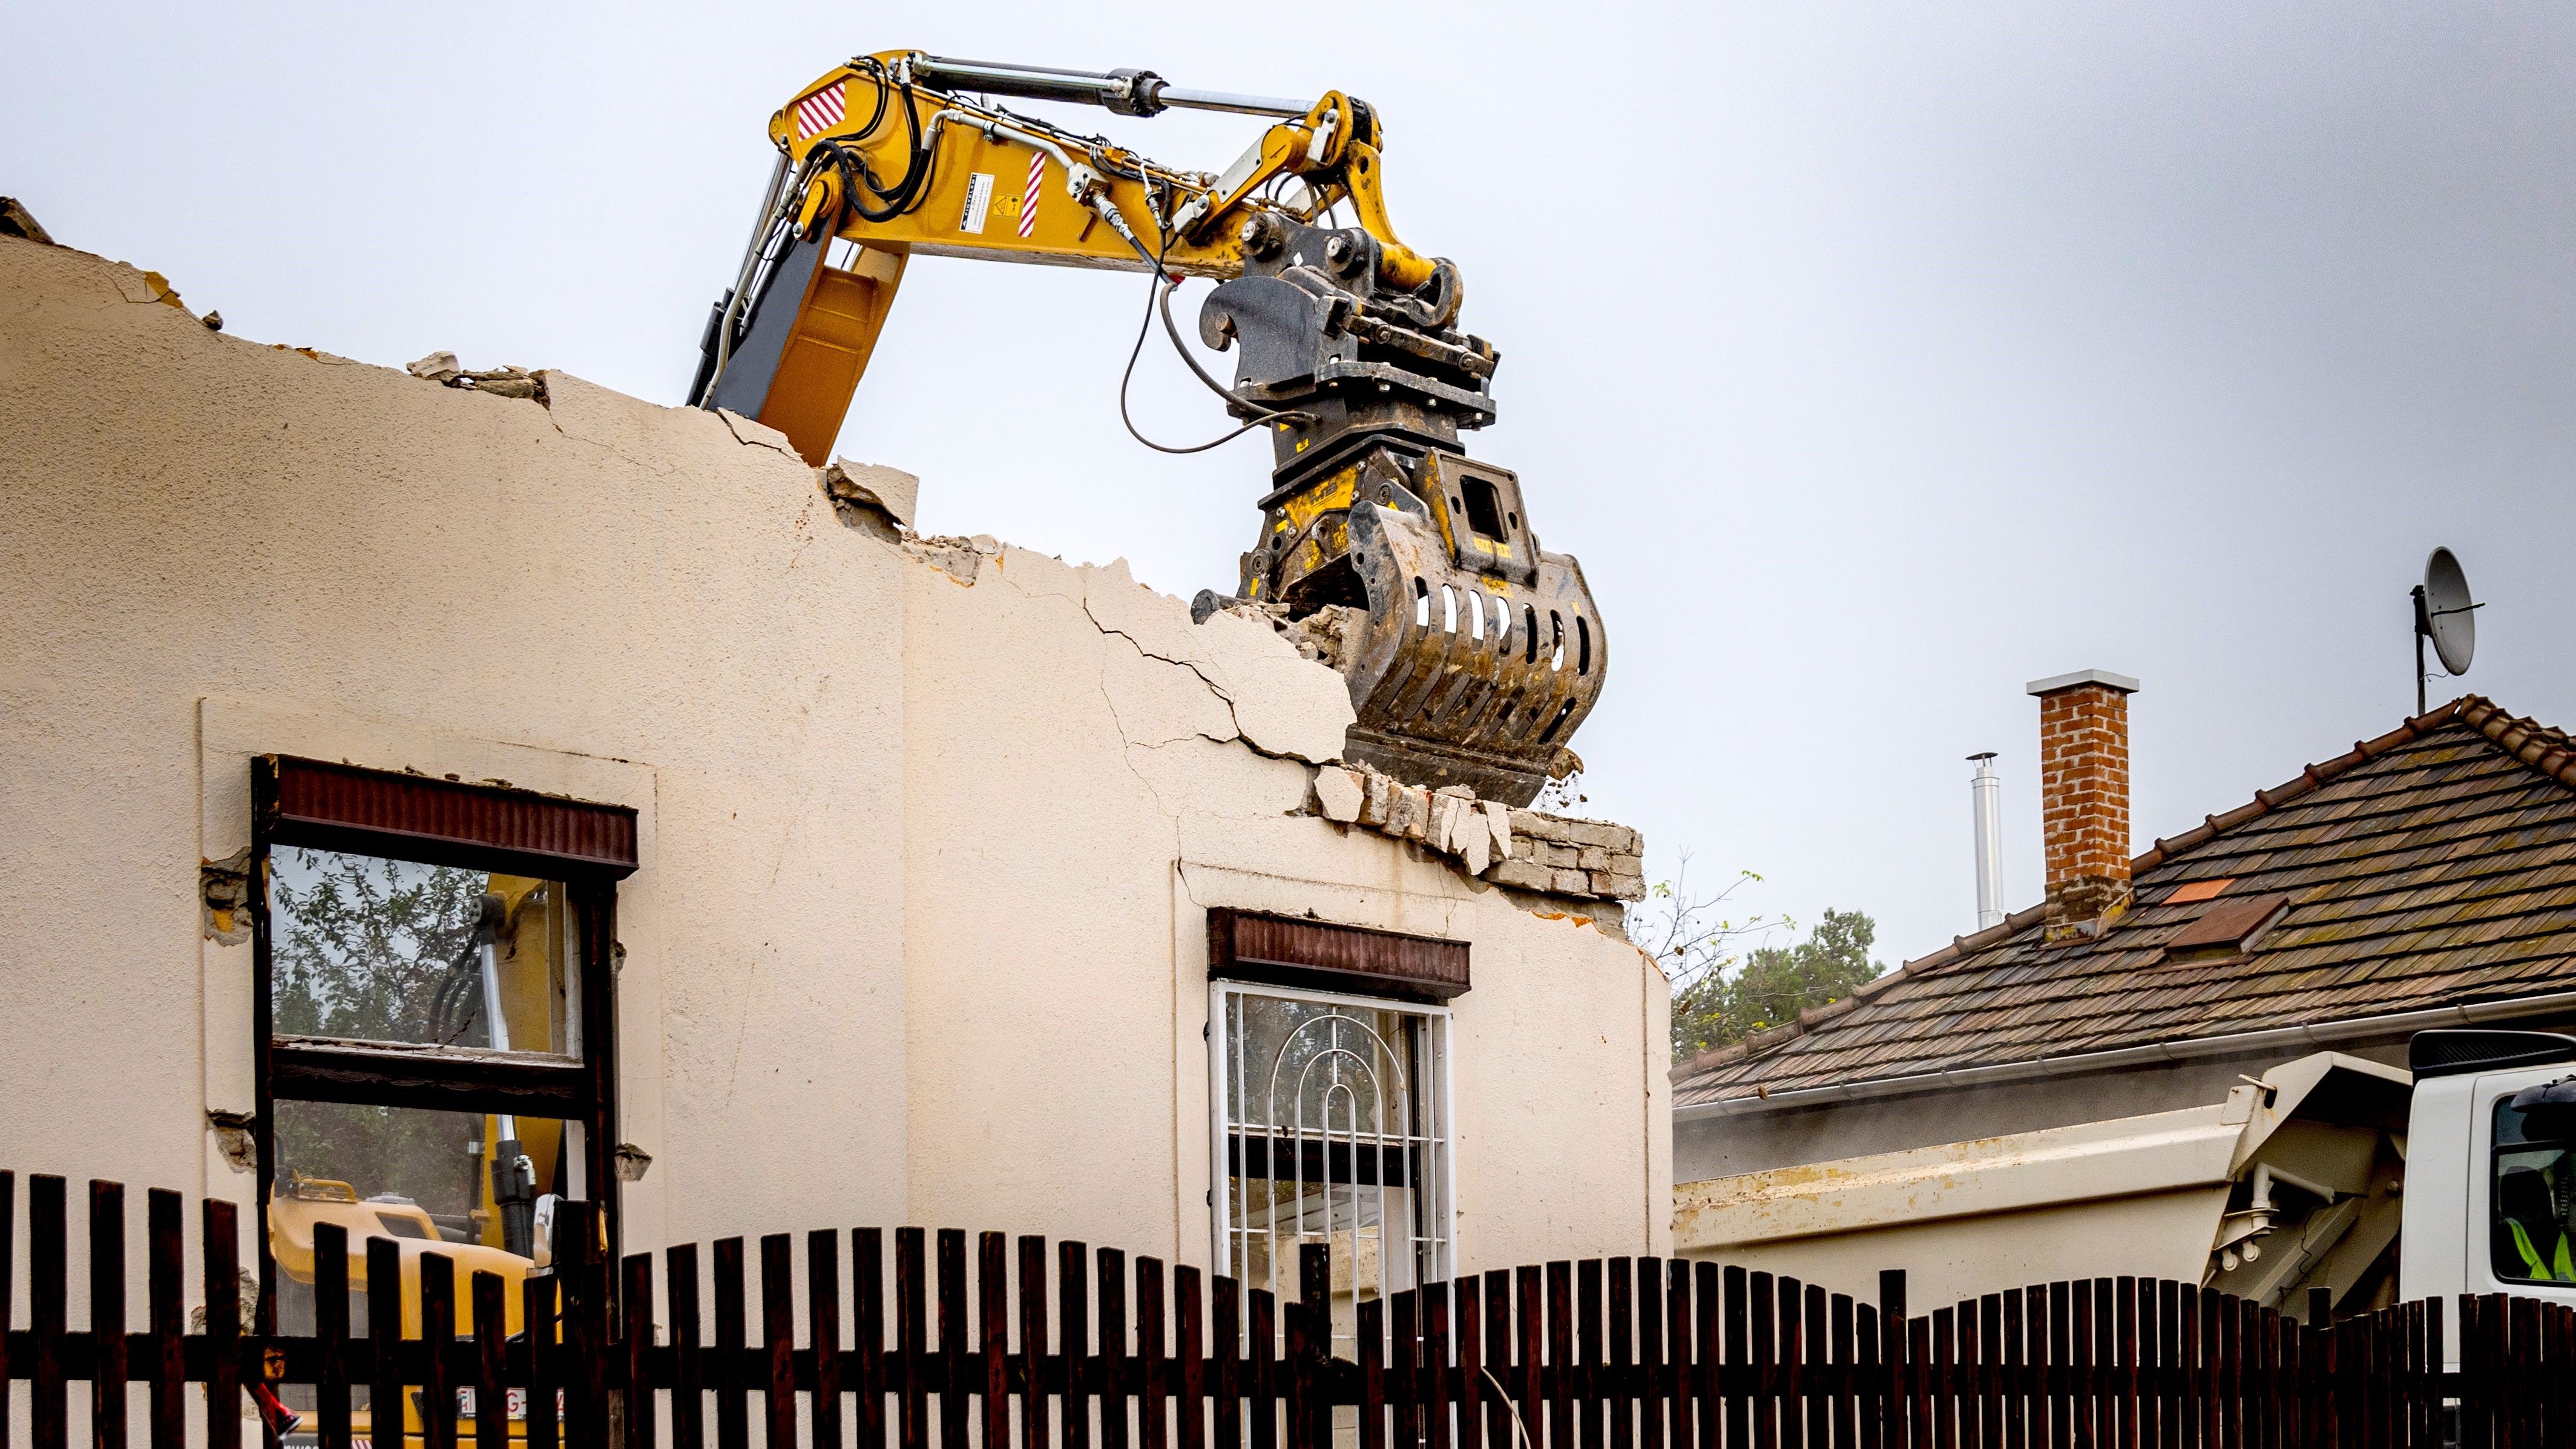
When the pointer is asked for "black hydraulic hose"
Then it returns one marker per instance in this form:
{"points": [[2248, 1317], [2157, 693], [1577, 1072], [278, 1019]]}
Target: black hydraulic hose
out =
{"points": [[1159, 290]]}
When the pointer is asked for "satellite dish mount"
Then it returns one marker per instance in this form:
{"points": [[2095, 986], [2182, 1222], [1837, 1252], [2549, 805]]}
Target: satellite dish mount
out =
{"points": [[2445, 614]]}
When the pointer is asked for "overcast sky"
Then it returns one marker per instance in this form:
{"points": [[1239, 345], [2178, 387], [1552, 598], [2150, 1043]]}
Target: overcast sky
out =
{"points": [[1873, 360]]}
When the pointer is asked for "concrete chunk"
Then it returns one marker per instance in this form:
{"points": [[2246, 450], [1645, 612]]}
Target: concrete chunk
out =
{"points": [[1498, 823], [891, 491], [1522, 875], [1340, 793]]}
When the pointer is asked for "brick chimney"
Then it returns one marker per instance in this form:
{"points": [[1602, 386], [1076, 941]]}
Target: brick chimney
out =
{"points": [[2084, 798]]}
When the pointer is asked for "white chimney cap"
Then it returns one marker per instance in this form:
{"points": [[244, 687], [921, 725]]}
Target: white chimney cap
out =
{"points": [[2103, 677]]}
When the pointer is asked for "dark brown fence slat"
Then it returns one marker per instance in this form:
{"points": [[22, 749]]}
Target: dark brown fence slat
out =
{"points": [[1793, 1372], [219, 1254], [1990, 1382], [1693, 1306], [330, 1325], [1895, 1394], [1588, 1347], [1033, 1343], [1073, 1341], [1944, 1375], [1434, 1373], [1113, 1349], [1403, 1367], [2124, 1360], [1499, 1410], [483, 1293], [1815, 1406], [1261, 1366], [688, 1360], [1966, 1373], [1315, 1306], [733, 1410], [1560, 1354], [824, 1414], [589, 1291], [537, 1317], [1368, 1351], [2013, 1369], [48, 1297], [384, 1335], [8, 1287], [1764, 1344], [912, 1339], [957, 1375], [1618, 1396], [2169, 1364], [437, 1335], [1529, 1307], [1846, 1398], [864, 1366], [636, 1297], [1651, 1387], [993, 1328], [778, 1337], [163, 1267], [107, 1366], [1868, 1402], [1225, 1361], [1468, 1303], [1153, 1429], [1189, 1398], [1919, 1380]]}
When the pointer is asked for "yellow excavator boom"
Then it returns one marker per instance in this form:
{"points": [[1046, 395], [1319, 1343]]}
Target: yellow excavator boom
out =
{"points": [[1475, 654]]}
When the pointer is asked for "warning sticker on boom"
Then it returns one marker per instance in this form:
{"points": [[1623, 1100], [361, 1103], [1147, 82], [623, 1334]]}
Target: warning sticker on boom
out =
{"points": [[979, 200]]}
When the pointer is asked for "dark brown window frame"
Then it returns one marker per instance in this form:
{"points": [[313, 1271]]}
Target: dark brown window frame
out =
{"points": [[590, 847]]}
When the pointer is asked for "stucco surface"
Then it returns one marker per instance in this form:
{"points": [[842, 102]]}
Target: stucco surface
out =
{"points": [[919, 933]]}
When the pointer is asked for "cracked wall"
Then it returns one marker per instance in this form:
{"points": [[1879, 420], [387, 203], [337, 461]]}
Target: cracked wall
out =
{"points": [[931, 825]]}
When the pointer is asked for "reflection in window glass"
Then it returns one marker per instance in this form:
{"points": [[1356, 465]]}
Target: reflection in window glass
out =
{"points": [[370, 949], [1333, 1131], [2533, 1202]]}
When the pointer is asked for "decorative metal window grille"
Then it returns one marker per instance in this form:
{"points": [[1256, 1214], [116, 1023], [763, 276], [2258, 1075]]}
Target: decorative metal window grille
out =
{"points": [[1332, 1126]]}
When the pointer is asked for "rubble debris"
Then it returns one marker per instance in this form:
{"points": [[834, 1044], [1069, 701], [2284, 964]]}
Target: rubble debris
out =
{"points": [[873, 487], [15, 220], [1318, 636], [632, 1162], [1523, 849], [214, 321], [441, 367], [437, 367]]}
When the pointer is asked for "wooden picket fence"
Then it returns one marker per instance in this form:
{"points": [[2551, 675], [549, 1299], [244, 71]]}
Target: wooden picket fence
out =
{"points": [[1614, 1353]]}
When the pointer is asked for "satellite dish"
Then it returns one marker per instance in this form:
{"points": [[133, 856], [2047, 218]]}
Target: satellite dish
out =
{"points": [[2448, 621], [2445, 614]]}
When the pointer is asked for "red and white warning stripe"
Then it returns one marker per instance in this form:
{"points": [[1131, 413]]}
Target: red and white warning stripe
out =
{"points": [[1029, 197], [819, 112]]}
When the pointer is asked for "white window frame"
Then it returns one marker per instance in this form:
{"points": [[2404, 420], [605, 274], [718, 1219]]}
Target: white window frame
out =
{"points": [[1433, 1238]]}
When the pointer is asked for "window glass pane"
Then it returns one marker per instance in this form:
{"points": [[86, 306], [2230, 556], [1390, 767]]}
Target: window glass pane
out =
{"points": [[423, 1180], [1330, 1119], [2532, 1237], [393, 950]]}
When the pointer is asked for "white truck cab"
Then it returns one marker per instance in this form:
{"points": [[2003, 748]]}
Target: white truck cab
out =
{"points": [[2490, 1203]]}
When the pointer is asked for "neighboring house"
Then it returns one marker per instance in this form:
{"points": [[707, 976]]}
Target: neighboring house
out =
{"points": [[404, 777], [2172, 1059]]}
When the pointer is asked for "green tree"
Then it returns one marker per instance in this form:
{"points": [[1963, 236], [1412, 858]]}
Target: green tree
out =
{"points": [[1772, 984]]}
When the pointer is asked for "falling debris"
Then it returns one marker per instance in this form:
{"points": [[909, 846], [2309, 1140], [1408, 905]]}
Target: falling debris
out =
{"points": [[214, 321]]}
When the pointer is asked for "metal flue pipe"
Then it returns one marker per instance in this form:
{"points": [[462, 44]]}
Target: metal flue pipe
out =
{"points": [[1985, 793]]}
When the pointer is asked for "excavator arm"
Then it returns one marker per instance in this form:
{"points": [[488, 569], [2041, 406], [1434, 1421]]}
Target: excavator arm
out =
{"points": [[1472, 655]]}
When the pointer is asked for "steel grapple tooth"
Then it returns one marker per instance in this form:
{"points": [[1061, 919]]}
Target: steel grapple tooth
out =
{"points": [[1463, 677]]}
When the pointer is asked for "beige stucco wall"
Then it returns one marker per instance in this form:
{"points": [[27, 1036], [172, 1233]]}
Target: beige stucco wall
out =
{"points": [[919, 933]]}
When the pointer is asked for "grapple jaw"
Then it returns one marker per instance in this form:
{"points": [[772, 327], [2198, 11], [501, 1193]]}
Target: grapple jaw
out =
{"points": [[1472, 674]]}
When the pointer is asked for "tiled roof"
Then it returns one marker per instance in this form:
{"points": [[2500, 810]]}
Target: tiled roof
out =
{"points": [[2431, 867]]}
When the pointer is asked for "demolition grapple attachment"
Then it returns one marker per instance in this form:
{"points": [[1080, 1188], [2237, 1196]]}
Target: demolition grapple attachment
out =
{"points": [[1478, 653]]}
